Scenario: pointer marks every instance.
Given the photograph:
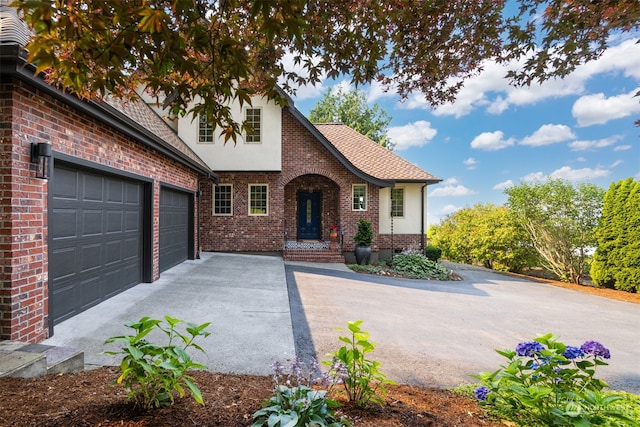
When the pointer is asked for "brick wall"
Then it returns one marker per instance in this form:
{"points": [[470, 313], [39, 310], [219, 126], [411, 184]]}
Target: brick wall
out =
{"points": [[28, 115], [306, 165]]}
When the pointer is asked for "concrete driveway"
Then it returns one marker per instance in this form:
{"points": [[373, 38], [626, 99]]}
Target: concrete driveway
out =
{"points": [[427, 332]]}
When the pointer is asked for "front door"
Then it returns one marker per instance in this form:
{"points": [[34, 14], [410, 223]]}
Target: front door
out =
{"points": [[308, 215]]}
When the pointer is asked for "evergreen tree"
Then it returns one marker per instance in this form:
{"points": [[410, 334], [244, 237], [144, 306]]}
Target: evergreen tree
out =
{"points": [[617, 259], [628, 271]]}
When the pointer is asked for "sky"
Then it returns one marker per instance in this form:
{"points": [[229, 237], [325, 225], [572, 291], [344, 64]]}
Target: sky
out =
{"points": [[580, 128]]}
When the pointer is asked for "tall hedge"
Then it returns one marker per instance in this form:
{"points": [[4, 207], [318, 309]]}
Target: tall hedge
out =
{"points": [[616, 263]]}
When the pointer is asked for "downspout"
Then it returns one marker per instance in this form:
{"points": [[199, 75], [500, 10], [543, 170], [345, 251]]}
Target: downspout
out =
{"points": [[199, 196], [422, 231]]}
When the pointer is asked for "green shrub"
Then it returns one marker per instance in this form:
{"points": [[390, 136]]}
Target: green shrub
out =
{"points": [[295, 402], [151, 372], [360, 377], [547, 383], [433, 253], [364, 234], [418, 266]]}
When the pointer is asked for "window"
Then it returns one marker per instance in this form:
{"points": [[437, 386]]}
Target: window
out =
{"points": [[253, 118], [397, 202], [223, 200], [205, 130], [359, 197], [258, 197]]}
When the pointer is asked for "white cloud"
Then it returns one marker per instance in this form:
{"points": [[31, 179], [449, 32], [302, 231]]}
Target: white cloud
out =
{"points": [[492, 91], [548, 134], [502, 185], [597, 109], [452, 191], [616, 164], [451, 181], [302, 92], [491, 141], [414, 134], [449, 209], [592, 145], [622, 148], [569, 174], [471, 163], [535, 176], [583, 174]]}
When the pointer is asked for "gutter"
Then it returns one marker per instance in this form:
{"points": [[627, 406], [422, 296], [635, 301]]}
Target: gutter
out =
{"points": [[13, 63]]}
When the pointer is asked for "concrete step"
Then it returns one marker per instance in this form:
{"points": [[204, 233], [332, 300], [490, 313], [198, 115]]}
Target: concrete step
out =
{"points": [[18, 359], [310, 255]]}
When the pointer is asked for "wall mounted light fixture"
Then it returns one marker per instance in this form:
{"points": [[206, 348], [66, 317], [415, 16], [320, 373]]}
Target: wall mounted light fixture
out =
{"points": [[41, 156]]}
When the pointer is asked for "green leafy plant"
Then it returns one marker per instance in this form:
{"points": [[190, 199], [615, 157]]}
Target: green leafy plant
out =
{"points": [[151, 372], [549, 383], [360, 377], [364, 234], [295, 402], [417, 266], [433, 253]]}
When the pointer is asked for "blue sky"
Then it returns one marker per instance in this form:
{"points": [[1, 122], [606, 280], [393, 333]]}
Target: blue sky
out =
{"points": [[580, 128]]}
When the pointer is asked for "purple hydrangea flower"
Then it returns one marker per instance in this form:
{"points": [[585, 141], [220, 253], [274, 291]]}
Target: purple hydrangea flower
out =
{"points": [[481, 393], [572, 352], [595, 348], [529, 348]]}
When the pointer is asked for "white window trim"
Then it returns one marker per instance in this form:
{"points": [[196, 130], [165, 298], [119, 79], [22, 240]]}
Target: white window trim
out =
{"points": [[404, 201], [261, 125], [366, 196], [213, 136], [214, 201], [249, 200]]}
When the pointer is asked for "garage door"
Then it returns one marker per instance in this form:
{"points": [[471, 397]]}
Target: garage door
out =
{"points": [[95, 239], [175, 227]]}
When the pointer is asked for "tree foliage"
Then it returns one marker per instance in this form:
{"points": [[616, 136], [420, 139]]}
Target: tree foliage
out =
{"points": [[616, 263], [487, 234], [351, 108], [203, 54], [561, 220]]}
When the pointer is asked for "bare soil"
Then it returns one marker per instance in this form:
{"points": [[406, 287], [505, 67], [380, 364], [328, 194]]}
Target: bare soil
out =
{"points": [[89, 399]]}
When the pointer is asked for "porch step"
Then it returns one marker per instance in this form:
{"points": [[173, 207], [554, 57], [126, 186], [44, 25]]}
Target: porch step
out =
{"points": [[313, 255], [19, 359]]}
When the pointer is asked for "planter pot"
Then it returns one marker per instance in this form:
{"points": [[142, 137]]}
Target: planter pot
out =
{"points": [[363, 254]]}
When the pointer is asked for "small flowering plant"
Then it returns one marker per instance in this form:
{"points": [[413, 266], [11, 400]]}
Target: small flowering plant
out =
{"points": [[549, 383], [299, 399], [334, 228]]}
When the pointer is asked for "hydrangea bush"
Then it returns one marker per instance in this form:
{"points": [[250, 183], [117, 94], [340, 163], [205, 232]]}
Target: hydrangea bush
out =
{"points": [[548, 383]]}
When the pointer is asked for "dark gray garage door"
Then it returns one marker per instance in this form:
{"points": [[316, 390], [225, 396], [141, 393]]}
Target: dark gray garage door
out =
{"points": [[95, 244], [175, 233]]}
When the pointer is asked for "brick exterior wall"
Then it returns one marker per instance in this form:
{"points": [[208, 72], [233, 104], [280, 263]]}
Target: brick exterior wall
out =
{"points": [[27, 115], [400, 241], [306, 165]]}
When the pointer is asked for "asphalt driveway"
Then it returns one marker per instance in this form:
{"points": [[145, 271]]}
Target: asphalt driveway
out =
{"points": [[427, 332], [438, 333]]}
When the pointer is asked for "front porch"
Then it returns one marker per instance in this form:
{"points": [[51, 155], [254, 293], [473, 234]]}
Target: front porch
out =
{"points": [[311, 212], [313, 251]]}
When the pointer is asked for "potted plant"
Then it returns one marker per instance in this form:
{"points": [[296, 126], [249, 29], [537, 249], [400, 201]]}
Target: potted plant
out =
{"points": [[363, 239]]}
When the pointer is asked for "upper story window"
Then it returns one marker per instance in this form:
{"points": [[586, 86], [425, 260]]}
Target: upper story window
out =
{"points": [[223, 199], [205, 130], [397, 202], [258, 199], [253, 118], [359, 197]]}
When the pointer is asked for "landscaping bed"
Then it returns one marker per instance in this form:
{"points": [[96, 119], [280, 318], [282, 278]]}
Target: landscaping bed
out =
{"points": [[89, 399]]}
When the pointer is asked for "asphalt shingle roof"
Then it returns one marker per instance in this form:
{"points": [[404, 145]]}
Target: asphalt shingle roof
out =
{"points": [[370, 157]]}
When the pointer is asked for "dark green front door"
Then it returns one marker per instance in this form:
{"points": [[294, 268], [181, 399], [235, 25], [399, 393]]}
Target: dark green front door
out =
{"points": [[309, 215]]}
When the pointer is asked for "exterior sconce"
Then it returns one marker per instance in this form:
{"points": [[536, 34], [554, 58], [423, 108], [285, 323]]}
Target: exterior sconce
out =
{"points": [[41, 156]]}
